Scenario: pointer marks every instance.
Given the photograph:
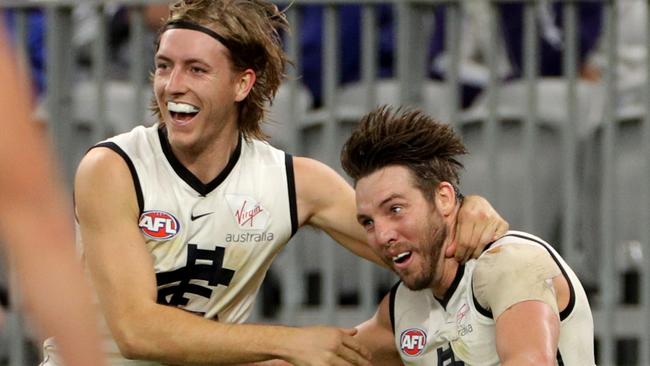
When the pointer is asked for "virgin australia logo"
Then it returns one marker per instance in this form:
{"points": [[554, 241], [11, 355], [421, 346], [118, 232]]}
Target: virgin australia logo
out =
{"points": [[247, 212]]}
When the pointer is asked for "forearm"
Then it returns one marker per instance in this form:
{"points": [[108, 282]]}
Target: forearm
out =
{"points": [[173, 336]]}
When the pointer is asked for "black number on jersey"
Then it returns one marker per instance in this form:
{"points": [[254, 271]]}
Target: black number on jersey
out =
{"points": [[446, 357], [213, 272]]}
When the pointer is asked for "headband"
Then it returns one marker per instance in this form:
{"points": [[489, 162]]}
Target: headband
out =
{"points": [[183, 24]]}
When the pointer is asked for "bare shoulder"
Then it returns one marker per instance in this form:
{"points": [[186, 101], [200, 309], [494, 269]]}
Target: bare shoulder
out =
{"points": [[307, 169], [315, 179], [318, 187], [103, 180], [101, 168]]}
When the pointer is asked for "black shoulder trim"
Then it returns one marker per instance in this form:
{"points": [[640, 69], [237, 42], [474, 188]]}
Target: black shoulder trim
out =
{"points": [[572, 294], [391, 304], [187, 176], [291, 187], [560, 362], [487, 247], [485, 312], [134, 174], [454, 285]]}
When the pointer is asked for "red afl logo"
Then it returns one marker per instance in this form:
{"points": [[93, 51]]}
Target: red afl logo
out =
{"points": [[159, 225], [412, 341]]}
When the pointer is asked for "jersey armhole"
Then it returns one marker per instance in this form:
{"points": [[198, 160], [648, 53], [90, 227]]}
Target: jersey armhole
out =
{"points": [[291, 188], [391, 304], [134, 174]]}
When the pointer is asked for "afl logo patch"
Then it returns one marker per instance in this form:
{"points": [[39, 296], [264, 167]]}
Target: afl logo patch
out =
{"points": [[412, 342], [159, 225]]}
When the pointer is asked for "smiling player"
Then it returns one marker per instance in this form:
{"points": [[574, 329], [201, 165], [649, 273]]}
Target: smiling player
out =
{"points": [[180, 221]]}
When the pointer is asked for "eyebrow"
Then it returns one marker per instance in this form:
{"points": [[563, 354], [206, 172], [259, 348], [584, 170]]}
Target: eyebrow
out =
{"points": [[361, 217], [389, 198], [188, 61]]}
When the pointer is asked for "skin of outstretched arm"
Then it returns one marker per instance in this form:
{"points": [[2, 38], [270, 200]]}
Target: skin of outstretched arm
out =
{"points": [[37, 229]]}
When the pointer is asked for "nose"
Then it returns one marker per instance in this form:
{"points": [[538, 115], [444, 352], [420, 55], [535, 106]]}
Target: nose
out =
{"points": [[176, 82], [386, 234]]}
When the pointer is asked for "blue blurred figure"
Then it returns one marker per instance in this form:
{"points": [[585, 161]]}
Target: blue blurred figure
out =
{"points": [[35, 47], [551, 43], [349, 40]]}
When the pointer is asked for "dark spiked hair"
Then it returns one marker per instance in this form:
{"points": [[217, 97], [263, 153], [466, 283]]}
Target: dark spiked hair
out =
{"points": [[406, 137]]}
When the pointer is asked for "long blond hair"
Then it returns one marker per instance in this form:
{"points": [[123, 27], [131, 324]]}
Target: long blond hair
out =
{"points": [[251, 29]]}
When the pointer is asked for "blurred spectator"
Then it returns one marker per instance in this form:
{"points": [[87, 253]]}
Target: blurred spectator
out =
{"points": [[631, 52], [349, 41], [550, 17], [475, 46]]}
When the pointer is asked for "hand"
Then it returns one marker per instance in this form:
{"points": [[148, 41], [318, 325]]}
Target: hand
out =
{"points": [[320, 346], [478, 225]]}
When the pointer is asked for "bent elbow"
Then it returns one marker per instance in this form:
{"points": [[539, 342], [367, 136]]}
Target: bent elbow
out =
{"points": [[128, 347], [131, 345]]}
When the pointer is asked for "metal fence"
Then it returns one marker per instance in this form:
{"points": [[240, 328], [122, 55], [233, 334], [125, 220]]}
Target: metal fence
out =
{"points": [[560, 156]]}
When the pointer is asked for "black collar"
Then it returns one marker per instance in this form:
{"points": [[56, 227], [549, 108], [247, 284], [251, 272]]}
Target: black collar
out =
{"points": [[460, 271], [186, 175]]}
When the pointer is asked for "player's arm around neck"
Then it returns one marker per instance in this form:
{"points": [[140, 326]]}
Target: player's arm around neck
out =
{"points": [[326, 201], [122, 272]]}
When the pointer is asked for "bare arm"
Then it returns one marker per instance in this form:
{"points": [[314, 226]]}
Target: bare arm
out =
{"points": [[527, 309], [326, 201], [37, 228], [376, 334], [122, 270], [532, 344]]}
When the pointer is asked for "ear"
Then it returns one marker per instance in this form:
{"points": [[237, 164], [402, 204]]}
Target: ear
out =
{"points": [[245, 83], [445, 198]]}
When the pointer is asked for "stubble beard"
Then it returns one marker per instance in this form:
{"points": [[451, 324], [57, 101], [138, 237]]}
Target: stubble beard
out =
{"points": [[431, 252]]}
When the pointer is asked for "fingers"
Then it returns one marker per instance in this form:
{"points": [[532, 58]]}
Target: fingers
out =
{"points": [[331, 346], [462, 251], [501, 230], [478, 225], [352, 351], [352, 343]]}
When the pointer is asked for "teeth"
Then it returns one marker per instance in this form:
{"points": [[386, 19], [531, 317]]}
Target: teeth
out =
{"points": [[181, 108], [400, 256]]}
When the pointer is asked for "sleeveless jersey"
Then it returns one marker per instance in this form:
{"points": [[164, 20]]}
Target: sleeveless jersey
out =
{"points": [[459, 331], [212, 244]]}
